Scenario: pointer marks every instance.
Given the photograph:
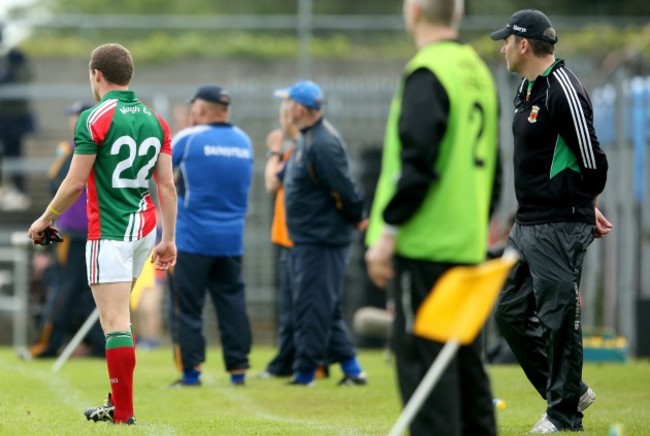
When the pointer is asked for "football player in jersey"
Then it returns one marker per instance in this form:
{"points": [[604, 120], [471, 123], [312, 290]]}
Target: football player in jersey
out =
{"points": [[121, 145]]}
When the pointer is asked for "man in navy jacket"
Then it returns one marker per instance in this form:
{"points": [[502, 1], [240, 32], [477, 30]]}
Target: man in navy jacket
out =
{"points": [[323, 209]]}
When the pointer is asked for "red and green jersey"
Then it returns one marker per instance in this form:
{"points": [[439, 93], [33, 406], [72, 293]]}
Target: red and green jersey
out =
{"points": [[127, 138]]}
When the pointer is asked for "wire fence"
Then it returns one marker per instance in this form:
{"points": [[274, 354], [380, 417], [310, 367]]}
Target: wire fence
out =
{"points": [[358, 95]]}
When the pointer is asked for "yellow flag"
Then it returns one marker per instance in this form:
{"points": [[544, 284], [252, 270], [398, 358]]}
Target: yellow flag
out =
{"points": [[461, 300]]}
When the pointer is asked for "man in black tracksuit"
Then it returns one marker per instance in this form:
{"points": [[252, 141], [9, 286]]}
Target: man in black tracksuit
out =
{"points": [[560, 170]]}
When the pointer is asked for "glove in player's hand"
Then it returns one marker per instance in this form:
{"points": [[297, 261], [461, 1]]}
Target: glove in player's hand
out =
{"points": [[50, 235]]}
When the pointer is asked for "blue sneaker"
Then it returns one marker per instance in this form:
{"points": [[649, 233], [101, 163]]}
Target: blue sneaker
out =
{"points": [[303, 379], [295, 382], [238, 379], [182, 383]]}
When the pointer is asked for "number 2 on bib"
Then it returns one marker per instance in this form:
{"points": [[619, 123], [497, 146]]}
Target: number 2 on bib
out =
{"points": [[477, 117], [125, 167]]}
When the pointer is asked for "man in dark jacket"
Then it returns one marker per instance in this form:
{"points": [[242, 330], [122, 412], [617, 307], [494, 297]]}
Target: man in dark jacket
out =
{"points": [[323, 208], [560, 170]]}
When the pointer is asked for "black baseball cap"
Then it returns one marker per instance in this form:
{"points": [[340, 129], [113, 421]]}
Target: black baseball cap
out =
{"points": [[213, 94], [527, 23], [78, 107]]}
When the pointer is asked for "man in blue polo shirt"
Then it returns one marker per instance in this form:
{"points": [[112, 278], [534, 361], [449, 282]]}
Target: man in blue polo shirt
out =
{"points": [[214, 163], [323, 209]]}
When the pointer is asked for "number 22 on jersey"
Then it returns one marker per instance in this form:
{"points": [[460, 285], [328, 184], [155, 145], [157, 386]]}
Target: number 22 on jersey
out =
{"points": [[125, 169]]}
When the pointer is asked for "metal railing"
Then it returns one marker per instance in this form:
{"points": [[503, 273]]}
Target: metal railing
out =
{"points": [[16, 301]]}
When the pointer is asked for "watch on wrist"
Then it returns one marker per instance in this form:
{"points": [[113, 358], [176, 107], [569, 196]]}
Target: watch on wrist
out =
{"points": [[271, 153]]}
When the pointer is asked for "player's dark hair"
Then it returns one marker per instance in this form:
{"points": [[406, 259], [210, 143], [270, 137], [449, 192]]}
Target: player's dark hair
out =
{"points": [[541, 47], [115, 63]]}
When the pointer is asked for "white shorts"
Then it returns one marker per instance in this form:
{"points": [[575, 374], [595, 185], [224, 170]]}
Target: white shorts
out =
{"points": [[110, 261]]}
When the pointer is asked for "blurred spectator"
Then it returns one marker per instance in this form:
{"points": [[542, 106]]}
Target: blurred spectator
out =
{"points": [[69, 300], [281, 143], [15, 121], [41, 279], [146, 298], [180, 118], [438, 185], [215, 163], [323, 207], [147, 293]]}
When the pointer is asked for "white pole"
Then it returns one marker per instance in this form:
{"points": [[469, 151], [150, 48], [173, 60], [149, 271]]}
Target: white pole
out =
{"points": [[305, 30], [426, 385], [76, 339]]}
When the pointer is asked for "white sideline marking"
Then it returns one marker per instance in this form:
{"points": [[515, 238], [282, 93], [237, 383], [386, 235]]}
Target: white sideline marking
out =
{"points": [[259, 412], [66, 393], [243, 401]]}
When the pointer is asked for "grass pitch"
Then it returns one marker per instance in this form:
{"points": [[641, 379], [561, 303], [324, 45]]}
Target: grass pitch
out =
{"points": [[34, 401]]}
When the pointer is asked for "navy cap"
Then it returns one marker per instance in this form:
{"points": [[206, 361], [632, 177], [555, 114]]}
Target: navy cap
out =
{"points": [[78, 107], [527, 23], [213, 94], [305, 92]]}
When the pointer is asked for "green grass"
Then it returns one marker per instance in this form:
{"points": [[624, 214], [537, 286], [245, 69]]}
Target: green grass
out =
{"points": [[34, 401], [622, 397]]}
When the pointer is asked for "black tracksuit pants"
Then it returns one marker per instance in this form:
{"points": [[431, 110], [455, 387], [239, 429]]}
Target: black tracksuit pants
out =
{"points": [[461, 402], [282, 363], [538, 313], [69, 302], [320, 333], [221, 276]]}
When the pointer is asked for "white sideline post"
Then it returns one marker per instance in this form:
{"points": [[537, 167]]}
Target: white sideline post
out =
{"points": [[424, 389], [76, 339]]}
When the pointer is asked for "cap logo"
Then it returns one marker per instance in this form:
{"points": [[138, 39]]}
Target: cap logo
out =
{"points": [[518, 28]]}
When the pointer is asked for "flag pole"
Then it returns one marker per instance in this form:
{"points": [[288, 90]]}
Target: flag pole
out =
{"points": [[424, 389], [459, 316], [76, 340]]}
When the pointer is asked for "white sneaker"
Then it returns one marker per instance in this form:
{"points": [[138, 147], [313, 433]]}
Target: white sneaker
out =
{"points": [[586, 400], [544, 426]]}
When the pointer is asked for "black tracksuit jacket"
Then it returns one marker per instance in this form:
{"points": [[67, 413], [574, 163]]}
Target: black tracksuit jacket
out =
{"points": [[551, 183]]}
